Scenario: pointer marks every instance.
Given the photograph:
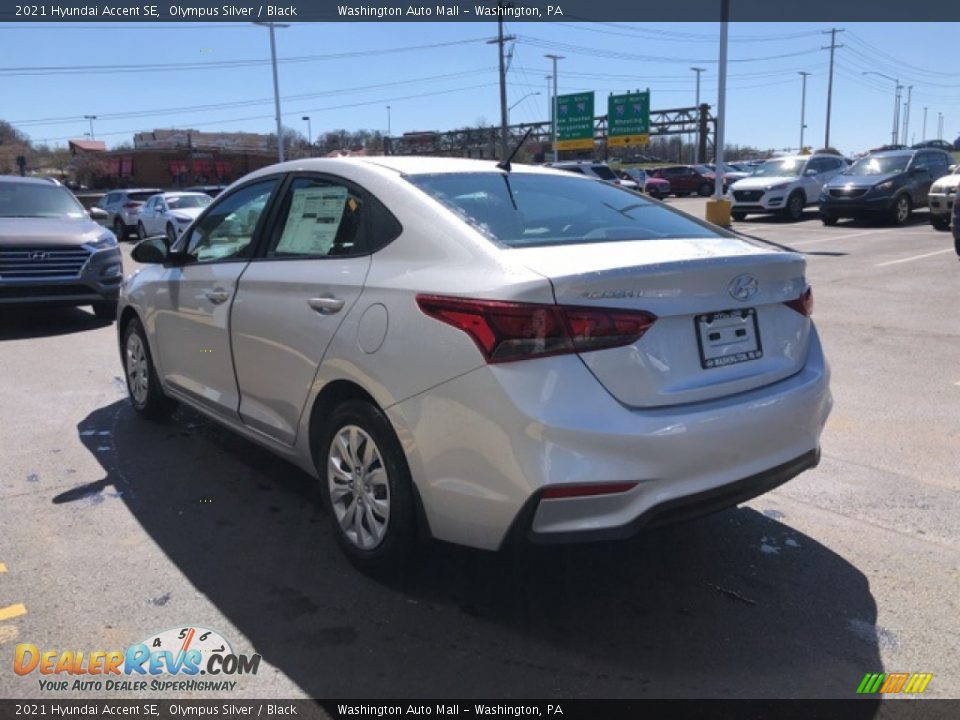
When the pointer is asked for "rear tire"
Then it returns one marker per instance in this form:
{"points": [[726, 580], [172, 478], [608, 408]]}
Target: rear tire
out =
{"points": [[366, 486], [141, 231], [956, 238], [146, 395], [901, 210], [120, 230], [738, 216], [171, 234], [940, 223]]}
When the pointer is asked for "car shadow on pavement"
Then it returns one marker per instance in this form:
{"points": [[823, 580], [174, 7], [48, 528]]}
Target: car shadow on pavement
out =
{"points": [[29, 323], [735, 605]]}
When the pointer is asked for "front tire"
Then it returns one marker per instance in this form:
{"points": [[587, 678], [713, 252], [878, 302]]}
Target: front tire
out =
{"points": [[367, 488], [956, 238], [901, 210], [146, 395], [106, 310], [794, 209], [828, 219], [940, 223], [141, 231], [738, 216], [171, 234], [704, 190]]}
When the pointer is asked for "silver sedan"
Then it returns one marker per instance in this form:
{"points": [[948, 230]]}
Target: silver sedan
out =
{"points": [[480, 353]]}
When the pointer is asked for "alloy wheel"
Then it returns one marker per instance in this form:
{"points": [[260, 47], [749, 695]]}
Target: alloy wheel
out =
{"points": [[137, 369], [359, 487]]}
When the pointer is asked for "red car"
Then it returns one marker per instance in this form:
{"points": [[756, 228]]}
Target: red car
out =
{"points": [[685, 180]]}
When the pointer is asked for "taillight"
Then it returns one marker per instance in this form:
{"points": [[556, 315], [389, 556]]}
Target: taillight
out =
{"points": [[507, 331], [804, 303]]}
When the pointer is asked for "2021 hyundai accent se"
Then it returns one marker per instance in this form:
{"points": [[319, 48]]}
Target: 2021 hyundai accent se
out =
{"points": [[478, 354]]}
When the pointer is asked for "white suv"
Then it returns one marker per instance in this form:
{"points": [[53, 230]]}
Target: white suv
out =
{"points": [[784, 185], [942, 195]]}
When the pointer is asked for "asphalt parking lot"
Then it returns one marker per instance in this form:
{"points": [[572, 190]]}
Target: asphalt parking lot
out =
{"points": [[113, 528]]}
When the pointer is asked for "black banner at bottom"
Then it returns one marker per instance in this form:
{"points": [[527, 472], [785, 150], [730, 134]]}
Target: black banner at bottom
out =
{"points": [[860, 709]]}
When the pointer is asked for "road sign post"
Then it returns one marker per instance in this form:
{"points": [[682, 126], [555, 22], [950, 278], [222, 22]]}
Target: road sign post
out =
{"points": [[575, 121], [628, 119]]}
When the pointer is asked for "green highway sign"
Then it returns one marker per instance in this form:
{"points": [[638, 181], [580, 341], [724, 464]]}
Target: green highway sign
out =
{"points": [[628, 119], [575, 121]]}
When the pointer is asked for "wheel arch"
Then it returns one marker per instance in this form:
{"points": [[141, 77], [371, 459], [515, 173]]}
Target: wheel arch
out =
{"points": [[337, 392]]}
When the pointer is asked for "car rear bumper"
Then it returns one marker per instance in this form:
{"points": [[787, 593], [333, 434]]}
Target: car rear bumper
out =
{"points": [[483, 447], [98, 281]]}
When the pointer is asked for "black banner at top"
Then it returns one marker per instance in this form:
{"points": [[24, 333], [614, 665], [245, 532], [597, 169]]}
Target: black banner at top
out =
{"points": [[290, 11]]}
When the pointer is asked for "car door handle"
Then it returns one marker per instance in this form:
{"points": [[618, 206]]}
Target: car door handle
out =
{"points": [[217, 296], [326, 305]]}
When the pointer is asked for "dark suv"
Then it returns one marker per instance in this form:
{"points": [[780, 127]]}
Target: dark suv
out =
{"points": [[889, 184], [685, 180]]}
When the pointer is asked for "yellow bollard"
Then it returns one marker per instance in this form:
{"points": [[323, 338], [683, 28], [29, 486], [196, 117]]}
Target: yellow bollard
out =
{"points": [[718, 212]]}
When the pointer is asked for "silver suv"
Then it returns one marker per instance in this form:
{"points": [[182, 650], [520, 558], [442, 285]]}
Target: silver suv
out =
{"points": [[51, 250], [123, 209]]}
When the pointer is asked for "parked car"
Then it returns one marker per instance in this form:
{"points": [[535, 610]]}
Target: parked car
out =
{"points": [[596, 170], [942, 196], [731, 173], [211, 190], [935, 144], [468, 353], [783, 186], [51, 250], [888, 184], [170, 213], [653, 186], [123, 209], [685, 180]]}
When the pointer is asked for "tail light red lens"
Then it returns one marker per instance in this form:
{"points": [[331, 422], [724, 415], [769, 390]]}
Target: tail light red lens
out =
{"points": [[508, 331], [803, 304]]}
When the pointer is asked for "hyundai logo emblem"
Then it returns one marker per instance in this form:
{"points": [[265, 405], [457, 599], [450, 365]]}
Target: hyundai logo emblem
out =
{"points": [[39, 255], [743, 287]]}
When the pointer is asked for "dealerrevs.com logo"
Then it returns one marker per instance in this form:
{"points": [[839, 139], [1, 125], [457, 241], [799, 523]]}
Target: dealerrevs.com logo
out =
{"points": [[176, 660]]}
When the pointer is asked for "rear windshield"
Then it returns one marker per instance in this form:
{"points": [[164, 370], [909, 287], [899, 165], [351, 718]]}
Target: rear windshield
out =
{"points": [[38, 201], [604, 172], [524, 209], [141, 196]]}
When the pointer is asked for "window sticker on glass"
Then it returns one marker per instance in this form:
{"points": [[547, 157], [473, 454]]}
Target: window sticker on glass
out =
{"points": [[313, 221]]}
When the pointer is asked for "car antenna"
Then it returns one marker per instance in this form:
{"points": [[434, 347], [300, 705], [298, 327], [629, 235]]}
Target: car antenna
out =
{"points": [[505, 164]]}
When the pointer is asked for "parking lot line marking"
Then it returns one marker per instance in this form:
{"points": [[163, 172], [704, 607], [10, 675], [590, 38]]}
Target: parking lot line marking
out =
{"points": [[846, 236], [12, 611], [915, 257]]}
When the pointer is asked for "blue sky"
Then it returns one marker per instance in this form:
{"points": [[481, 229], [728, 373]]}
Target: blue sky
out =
{"points": [[453, 83]]}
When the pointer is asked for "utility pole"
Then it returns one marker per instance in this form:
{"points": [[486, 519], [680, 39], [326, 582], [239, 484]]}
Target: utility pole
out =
{"points": [[906, 115], [939, 126], [803, 106], [832, 47], [91, 118], [896, 102], [698, 70], [500, 41], [553, 106], [924, 137], [276, 82], [388, 121]]}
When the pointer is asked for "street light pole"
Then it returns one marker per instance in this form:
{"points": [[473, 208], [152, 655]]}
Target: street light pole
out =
{"points": [[803, 107], [721, 98], [924, 137], [309, 130], [906, 116], [388, 121], [276, 82], [698, 70], [553, 106], [939, 126], [531, 94], [896, 102], [91, 118]]}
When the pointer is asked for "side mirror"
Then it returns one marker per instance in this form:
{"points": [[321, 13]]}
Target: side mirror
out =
{"points": [[98, 214], [151, 251]]}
